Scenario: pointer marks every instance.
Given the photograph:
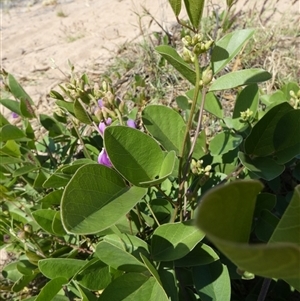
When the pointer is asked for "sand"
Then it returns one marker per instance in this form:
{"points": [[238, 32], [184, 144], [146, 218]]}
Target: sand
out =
{"points": [[38, 38]]}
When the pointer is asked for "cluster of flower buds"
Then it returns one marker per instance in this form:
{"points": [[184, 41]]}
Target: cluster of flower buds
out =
{"points": [[246, 115], [198, 169], [108, 105], [295, 99], [195, 45]]}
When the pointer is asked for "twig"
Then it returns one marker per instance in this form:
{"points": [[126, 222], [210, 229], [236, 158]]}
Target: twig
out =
{"points": [[264, 289]]}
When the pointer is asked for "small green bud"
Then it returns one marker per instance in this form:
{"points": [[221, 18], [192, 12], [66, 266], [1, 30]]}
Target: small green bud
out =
{"points": [[207, 76], [187, 55], [187, 41], [27, 228], [104, 86], [208, 44]]}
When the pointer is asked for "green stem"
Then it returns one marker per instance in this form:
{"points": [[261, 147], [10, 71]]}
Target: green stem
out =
{"points": [[182, 176], [81, 141], [154, 216]]}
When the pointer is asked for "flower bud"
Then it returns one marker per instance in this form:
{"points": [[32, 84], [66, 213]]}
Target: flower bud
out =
{"points": [[187, 40], [208, 44], [187, 55], [207, 76], [104, 159], [131, 123], [104, 124]]}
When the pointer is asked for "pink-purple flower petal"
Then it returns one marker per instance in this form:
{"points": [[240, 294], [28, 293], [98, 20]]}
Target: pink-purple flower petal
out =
{"points": [[131, 123], [104, 159]]}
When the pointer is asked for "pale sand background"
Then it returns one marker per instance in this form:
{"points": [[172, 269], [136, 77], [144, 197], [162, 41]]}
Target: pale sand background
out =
{"points": [[33, 35]]}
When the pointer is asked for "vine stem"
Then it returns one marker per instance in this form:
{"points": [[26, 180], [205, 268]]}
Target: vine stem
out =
{"points": [[79, 137], [264, 289], [182, 177]]}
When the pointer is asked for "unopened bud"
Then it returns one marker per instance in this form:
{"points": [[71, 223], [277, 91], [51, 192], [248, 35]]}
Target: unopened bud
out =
{"points": [[187, 55], [208, 44], [207, 76], [187, 41]]}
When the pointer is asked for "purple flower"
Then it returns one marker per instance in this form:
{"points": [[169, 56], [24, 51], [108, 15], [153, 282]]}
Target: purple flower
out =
{"points": [[100, 103], [103, 125], [103, 158], [14, 115], [131, 123]]}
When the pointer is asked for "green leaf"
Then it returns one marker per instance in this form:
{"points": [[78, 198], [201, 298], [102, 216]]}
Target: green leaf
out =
{"points": [[177, 62], [202, 254], [225, 214], [80, 112], [133, 287], [162, 210], [264, 167], [22, 282], [165, 125], [228, 47], [66, 106], [247, 99], [12, 105], [286, 138], [11, 132], [11, 148], [57, 180], [57, 226], [260, 141], [240, 78], [26, 108], [288, 228], [173, 241], [212, 281], [64, 267], [137, 156], [235, 223], [176, 6], [224, 142], [211, 105], [265, 225], [95, 277], [49, 291], [194, 10], [17, 90], [25, 170], [51, 125], [44, 218], [96, 198], [122, 253]]}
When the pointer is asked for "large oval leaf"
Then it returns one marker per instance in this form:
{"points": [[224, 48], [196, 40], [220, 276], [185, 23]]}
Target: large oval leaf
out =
{"points": [[49, 291], [224, 142], [95, 199], [225, 214], [240, 78], [173, 241], [165, 125], [123, 252], [228, 47], [212, 281], [64, 267], [177, 62], [260, 142], [133, 287], [137, 156]]}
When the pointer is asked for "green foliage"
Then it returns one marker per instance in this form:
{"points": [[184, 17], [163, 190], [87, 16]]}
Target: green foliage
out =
{"points": [[171, 211]]}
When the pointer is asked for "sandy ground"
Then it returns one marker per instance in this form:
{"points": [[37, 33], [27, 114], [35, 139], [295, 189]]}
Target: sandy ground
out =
{"points": [[39, 37]]}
